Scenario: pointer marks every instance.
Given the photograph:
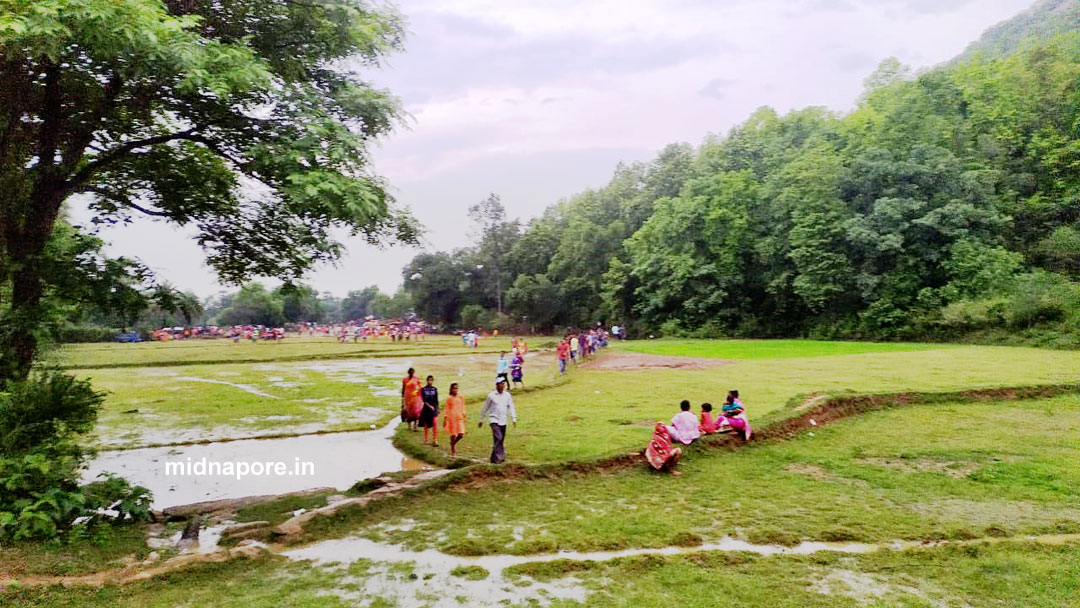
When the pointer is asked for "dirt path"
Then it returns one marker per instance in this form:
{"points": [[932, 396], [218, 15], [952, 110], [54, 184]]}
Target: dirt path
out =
{"points": [[630, 361]]}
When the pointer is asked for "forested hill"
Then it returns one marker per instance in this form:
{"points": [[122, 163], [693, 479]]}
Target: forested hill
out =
{"points": [[1044, 19], [946, 204]]}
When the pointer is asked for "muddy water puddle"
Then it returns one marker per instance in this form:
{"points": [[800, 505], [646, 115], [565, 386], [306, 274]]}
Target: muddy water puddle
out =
{"points": [[186, 474], [434, 584]]}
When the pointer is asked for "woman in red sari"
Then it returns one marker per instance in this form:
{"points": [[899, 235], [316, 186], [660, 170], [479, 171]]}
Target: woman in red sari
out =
{"points": [[660, 453], [411, 402]]}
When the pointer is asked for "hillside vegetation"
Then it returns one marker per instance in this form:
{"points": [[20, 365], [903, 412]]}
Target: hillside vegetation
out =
{"points": [[943, 206]]}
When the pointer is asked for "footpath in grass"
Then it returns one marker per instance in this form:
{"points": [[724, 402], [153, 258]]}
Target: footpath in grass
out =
{"points": [[602, 413]]}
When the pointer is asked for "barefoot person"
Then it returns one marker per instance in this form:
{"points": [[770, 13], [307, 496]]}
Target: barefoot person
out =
{"points": [[411, 403], [429, 414], [454, 418], [497, 408]]}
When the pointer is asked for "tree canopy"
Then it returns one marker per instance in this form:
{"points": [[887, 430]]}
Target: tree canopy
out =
{"points": [[945, 201], [246, 119]]}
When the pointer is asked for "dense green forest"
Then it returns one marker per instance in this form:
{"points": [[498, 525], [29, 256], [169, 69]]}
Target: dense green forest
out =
{"points": [[945, 204]]}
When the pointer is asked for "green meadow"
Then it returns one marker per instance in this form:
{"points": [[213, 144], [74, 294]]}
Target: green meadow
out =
{"points": [[601, 413], [767, 349], [979, 476]]}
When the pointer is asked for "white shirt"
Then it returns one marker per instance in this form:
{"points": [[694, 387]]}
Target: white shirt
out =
{"points": [[498, 406]]}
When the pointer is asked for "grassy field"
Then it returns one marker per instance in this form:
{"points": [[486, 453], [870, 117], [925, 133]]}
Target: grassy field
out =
{"points": [[190, 352], [952, 471], [600, 413], [162, 404], [1002, 575], [767, 349], [944, 471]]}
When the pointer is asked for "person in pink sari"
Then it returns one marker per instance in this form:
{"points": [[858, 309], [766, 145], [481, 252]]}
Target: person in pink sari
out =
{"points": [[684, 427], [734, 417]]}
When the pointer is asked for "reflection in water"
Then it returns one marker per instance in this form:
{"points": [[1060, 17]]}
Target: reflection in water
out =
{"points": [[336, 460]]}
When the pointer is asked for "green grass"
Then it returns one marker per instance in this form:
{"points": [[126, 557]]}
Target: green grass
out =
{"points": [[189, 352], [1003, 575], [101, 549], [162, 405], [1018, 575], [601, 413], [261, 583], [938, 471], [767, 349]]}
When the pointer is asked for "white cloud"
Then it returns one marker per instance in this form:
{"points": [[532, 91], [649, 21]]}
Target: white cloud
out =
{"points": [[537, 99]]}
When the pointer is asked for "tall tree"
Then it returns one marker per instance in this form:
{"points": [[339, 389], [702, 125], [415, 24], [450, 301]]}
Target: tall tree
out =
{"points": [[497, 237], [245, 119]]}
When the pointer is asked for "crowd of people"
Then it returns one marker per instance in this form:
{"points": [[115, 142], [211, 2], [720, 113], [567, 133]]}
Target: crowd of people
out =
{"points": [[369, 329], [687, 427], [420, 409], [575, 347]]}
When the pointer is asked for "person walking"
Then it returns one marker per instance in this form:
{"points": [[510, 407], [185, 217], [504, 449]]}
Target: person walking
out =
{"points": [[564, 355], [502, 367], [498, 407]]}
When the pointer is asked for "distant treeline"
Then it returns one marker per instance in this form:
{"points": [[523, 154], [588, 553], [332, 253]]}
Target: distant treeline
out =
{"points": [[945, 204]]}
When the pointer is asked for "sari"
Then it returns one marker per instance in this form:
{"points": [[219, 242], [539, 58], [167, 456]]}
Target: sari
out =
{"points": [[454, 415], [413, 404], [660, 454]]}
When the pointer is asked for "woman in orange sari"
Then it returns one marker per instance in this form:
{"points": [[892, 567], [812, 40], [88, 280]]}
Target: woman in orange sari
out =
{"points": [[454, 418], [411, 402]]}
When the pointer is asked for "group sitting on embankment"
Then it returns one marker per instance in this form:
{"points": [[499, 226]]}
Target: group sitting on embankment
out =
{"points": [[686, 428]]}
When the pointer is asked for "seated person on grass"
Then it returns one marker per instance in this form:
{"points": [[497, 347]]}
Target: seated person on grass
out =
{"points": [[734, 417], [684, 426], [709, 424]]}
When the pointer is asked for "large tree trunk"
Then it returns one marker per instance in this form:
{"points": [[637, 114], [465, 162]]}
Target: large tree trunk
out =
{"points": [[27, 280]]}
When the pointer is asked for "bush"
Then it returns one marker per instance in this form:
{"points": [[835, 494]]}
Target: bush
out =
{"points": [[72, 334], [40, 461]]}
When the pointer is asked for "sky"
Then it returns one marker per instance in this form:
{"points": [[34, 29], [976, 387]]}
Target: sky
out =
{"points": [[536, 100]]}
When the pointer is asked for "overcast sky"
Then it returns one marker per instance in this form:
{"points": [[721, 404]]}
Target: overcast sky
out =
{"points": [[539, 99]]}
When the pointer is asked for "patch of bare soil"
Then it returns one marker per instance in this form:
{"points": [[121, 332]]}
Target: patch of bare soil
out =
{"points": [[952, 468], [628, 361], [810, 470]]}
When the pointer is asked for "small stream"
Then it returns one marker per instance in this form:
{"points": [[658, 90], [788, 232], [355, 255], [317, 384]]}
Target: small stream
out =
{"points": [[336, 460]]}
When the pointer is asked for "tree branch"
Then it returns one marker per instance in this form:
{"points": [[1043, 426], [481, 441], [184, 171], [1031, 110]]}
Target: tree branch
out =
{"points": [[121, 200], [115, 154]]}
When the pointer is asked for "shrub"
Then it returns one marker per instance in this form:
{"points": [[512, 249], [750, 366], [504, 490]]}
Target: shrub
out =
{"points": [[40, 461], [71, 334]]}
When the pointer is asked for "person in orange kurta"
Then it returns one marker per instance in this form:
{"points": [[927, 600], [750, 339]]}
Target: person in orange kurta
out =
{"points": [[454, 418], [411, 402]]}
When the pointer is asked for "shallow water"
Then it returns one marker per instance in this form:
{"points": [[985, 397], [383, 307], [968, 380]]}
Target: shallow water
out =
{"points": [[348, 550], [433, 585], [339, 460]]}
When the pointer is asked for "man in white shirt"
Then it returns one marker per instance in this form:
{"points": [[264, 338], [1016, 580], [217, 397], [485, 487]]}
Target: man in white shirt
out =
{"points": [[497, 408]]}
